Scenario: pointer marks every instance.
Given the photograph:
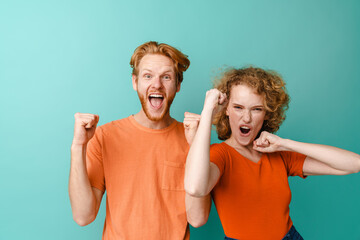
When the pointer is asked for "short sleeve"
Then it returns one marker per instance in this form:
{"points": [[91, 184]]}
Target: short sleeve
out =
{"points": [[94, 161], [217, 156], [294, 163]]}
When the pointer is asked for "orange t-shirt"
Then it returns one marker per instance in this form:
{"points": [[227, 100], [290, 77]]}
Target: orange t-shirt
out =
{"points": [[252, 199], [142, 171]]}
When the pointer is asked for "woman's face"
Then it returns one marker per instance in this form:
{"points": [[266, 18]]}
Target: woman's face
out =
{"points": [[246, 114]]}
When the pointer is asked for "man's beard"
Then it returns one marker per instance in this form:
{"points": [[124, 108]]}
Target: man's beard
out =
{"points": [[167, 103]]}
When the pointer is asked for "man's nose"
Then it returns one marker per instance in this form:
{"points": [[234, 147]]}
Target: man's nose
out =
{"points": [[157, 83]]}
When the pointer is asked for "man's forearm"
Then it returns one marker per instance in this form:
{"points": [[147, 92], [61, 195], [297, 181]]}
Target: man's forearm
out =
{"points": [[82, 199]]}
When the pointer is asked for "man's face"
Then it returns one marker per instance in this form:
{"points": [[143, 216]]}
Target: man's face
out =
{"points": [[156, 85]]}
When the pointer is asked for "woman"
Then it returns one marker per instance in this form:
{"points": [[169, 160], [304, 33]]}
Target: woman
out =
{"points": [[248, 172]]}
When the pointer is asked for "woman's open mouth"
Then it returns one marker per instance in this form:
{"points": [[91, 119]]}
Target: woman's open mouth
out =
{"points": [[245, 131]]}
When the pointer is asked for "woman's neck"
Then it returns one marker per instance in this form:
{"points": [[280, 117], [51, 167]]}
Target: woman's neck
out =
{"points": [[246, 151]]}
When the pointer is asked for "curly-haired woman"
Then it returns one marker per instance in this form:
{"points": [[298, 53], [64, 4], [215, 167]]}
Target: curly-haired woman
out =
{"points": [[247, 174]]}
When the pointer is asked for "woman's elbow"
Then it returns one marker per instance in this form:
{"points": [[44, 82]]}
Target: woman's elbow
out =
{"points": [[198, 221], [355, 170], [356, 167], [195, 192]]}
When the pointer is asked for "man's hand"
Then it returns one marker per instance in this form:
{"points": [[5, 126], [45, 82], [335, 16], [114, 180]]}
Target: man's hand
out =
{"points": [[84, 129], [191, 123], [268, 142]]}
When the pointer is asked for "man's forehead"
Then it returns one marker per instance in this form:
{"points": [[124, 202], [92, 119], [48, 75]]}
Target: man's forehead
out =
{"points": [[156, 61]]}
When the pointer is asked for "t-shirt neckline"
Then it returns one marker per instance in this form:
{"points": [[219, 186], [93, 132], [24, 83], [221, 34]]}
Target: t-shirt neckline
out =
{"points": [[146, 129], [258, 163]]}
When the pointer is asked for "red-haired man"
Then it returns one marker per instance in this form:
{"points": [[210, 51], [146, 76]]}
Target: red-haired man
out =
{"points": [[139, 160]]}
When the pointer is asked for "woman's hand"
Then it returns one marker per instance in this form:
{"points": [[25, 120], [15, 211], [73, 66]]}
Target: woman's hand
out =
{"points": [[268, 142], [214, 100]]}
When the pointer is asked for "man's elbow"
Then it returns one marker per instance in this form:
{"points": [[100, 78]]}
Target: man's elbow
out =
{"points": [[83, 221]]}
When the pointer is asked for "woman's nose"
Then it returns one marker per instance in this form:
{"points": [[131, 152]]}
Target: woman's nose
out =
{"points": [[247, 116]]}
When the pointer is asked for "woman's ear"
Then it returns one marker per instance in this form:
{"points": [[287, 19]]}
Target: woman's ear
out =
{"points": [[266, 117]]}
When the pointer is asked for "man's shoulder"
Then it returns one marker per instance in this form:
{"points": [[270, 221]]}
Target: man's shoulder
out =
{"points": [[116, 124], [179, 125], [178, 129], [177, 134]]}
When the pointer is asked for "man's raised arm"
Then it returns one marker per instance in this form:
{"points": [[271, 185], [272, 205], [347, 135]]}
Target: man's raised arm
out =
{"points": [[85, 200]]}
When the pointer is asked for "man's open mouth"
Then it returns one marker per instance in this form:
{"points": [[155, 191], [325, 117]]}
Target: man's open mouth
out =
{"points": [[156, 100]]}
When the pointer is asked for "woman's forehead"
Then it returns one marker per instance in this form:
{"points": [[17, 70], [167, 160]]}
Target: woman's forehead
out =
{"points": [[244, 92]]}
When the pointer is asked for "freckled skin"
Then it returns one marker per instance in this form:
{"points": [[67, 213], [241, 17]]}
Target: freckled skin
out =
{"points": [[156, 75], [245, 107]]}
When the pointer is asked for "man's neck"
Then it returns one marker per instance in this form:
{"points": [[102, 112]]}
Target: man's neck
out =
{"points": [[143, 120]]}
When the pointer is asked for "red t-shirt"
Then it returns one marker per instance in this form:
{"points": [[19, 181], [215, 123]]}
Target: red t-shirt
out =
{"points": [[252, 199]]}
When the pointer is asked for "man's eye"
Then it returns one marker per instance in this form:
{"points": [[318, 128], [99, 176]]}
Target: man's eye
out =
{"points": [[166, 77], [147, 76], [238, 107]]}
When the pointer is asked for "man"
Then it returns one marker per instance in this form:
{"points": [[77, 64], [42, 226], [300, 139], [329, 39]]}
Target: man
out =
{"points": [[138, 160]]}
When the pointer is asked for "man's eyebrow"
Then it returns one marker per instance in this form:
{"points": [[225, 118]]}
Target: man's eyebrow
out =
{"points": [[168, 71]]}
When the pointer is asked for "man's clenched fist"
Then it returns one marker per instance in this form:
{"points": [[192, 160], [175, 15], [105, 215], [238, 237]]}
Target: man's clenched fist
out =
{"points": [[84, 129], [191, 123]]}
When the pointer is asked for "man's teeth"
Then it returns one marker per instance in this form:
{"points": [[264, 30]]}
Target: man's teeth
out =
{"points": [[156, 95]]}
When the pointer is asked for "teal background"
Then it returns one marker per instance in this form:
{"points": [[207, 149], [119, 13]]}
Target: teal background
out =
{"points": [[62, 57]]}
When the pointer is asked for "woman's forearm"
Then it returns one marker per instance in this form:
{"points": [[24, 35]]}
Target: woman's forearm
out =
{"points": [[334, 157], [197, 171]]}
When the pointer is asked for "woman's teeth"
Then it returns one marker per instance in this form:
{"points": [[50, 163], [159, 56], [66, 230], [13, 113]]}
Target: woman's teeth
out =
{"points": [[244, 129]]}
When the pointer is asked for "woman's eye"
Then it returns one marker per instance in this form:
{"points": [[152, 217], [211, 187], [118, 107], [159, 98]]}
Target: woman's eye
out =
{"points": [[258, 109], [237, 107]]}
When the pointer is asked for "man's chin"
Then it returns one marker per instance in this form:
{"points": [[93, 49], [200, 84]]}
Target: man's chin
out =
{"points": [[153, 114], [155, 117]]}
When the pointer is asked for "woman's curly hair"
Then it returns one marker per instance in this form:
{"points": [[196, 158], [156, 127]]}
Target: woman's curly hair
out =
{"points": [[267, 83]]}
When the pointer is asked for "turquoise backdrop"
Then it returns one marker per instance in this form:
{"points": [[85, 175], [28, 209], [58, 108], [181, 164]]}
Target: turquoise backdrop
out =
{"points": [[62, 57]]}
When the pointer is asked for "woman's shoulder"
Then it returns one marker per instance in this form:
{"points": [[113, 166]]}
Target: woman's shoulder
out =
{"points": [[221, 150], [219, 146]]}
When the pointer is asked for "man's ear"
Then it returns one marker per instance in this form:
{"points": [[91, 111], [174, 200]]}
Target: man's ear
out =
{"points": [[178, 86], [134, 82]]}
